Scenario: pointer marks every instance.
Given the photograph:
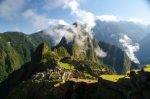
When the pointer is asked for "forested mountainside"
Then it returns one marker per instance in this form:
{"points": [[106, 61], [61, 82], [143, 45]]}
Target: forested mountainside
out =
{"points": [[16, 49]]}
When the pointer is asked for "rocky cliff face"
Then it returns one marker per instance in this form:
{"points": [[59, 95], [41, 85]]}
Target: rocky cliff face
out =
{"points": [[81, 45], [116, 58]]}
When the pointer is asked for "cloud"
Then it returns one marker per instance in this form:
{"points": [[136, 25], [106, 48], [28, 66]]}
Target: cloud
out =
{"points": [[73, 5], [100, 53], [41, 21], [69, 32], [107, 18], [129, 47], [52, 4], [136, 20], [10, 8], [86, 18], [55, 34], [114, 18]]}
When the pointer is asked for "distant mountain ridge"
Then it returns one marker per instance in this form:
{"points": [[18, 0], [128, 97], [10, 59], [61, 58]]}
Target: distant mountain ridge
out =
{"points": [[110, 31]]}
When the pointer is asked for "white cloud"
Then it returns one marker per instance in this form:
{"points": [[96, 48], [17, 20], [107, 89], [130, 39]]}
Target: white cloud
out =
{"points": [[86, 18], [55, 34], [114, 18], [40, 21], [129, 47], [72, 4], [100, 53], [52, 4], [10, 8], [107, 18], [70, 32], [136, 20]]}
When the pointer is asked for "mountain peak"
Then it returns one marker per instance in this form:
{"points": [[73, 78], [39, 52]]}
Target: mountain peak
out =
{"points": [[77, 25], [41, 49]]}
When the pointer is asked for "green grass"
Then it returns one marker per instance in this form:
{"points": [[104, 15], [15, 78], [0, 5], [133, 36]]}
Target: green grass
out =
{"points": [[87, 74], [67, 66], [147, 68], [113, 78], [135, 70]]}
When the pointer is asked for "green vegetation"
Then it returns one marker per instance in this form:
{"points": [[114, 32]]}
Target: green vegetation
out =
{"points": [[67, 66], [88, 75], [113, 78], [49, 69], [16, 49], [62, 52], [147, 68]]}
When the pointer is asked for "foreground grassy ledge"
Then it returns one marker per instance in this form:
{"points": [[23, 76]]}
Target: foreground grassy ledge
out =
{"points": [[115, 78]]}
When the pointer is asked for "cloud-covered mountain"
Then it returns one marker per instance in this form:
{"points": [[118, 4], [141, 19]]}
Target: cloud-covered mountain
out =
{"points": [[110, 31], [123, 34]]}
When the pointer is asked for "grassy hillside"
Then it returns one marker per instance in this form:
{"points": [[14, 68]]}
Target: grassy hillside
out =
{"points": [[16, 49]]}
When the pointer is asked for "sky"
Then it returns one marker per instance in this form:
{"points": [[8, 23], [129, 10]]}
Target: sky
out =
{"points": [[30, 16]]}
